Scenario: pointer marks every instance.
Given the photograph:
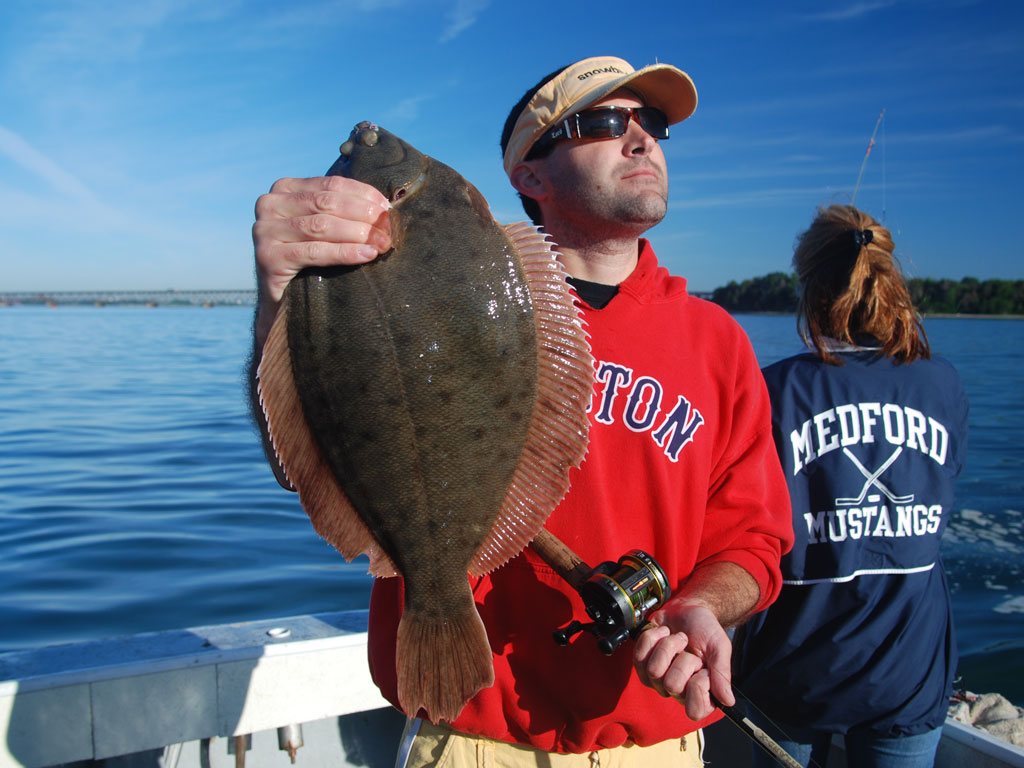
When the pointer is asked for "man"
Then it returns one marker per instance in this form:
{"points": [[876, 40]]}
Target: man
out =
{"points": [[681, 461]]}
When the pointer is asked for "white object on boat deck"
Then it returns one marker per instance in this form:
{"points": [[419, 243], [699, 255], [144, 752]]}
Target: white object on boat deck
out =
{"points": [[964, 745]]}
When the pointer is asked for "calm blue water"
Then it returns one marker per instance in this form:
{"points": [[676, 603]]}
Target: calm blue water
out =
{"points": [[134, 495]]}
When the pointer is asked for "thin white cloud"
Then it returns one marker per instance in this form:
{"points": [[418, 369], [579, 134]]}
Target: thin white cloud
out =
{"points": [[377, 5], [461, 17], [977, 133], [808, 166], [857, 10], [853, 11], [15, 148], [59, 196], [81, 31], [776, 196], [760, 197], [406, 110]]}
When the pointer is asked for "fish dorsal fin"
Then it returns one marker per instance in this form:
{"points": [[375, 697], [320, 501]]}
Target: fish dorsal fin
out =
{"points": [[557, 436], [329, 509]]}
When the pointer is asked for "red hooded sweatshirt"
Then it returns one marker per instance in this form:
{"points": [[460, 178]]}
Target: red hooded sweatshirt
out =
{"points": [[680, 464]]}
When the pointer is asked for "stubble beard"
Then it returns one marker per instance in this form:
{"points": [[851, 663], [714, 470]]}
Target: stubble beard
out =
{"points": [[645, 209], [627, 215], [618, 211]]}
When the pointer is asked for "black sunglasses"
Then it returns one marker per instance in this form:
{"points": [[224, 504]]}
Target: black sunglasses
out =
{"points": [[606, 123]]}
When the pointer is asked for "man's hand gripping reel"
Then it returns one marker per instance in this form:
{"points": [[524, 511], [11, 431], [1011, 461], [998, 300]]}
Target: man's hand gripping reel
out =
{"points": [[618, 597]]}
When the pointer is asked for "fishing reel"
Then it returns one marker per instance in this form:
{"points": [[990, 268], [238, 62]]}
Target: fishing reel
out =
{"points": [[618, 597]]}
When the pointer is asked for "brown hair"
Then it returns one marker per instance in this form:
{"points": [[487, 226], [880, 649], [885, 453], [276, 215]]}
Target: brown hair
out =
{"points": [[529, 204], [853, 287]]}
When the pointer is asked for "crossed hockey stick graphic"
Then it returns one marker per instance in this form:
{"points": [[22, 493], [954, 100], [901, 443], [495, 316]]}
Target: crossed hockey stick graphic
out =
{"points": [[872, 480]]}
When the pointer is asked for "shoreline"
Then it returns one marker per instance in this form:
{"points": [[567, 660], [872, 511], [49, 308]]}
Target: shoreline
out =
{"points": [[929, 316], [972, 317]]}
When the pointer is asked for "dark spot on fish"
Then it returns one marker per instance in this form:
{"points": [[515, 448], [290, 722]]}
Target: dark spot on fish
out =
{"points": [[504, 401], [445, 397], [479, 433]]}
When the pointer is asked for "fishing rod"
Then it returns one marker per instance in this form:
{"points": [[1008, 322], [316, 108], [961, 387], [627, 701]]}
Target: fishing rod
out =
{"points": [[864, 162], [618, 597]]}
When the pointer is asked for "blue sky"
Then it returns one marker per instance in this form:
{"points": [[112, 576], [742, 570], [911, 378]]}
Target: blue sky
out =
{"points": [[136, 135]]}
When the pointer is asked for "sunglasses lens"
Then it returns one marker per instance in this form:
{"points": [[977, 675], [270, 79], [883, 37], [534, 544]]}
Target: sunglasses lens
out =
{"points": [[654, 121], [602, 123]]}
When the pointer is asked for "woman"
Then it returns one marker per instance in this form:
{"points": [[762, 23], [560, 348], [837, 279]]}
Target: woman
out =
{"points": [[872, 433]]}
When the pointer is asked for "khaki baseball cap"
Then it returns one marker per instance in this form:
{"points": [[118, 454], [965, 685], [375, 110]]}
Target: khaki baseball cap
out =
{"points": [[581, 84]]}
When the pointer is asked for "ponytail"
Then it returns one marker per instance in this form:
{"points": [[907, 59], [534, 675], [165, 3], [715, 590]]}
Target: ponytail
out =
{"points": [[853, 287]]}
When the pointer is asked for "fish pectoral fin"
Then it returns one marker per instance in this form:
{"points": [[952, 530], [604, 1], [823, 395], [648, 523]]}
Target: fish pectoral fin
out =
{"points": [[557, 437], [329, 509]]}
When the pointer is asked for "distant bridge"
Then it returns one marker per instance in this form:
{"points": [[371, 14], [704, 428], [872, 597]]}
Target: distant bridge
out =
{"points": [[144, 298]]}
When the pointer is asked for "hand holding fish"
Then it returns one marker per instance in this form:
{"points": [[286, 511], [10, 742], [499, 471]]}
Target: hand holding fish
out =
{"points": [[686, 655], [315, 222]]}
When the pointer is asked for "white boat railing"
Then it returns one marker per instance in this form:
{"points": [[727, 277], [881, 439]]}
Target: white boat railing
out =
{"points": [[100, 699], [182, 691]]}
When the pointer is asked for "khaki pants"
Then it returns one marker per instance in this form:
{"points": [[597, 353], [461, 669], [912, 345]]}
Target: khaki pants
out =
{"points": [[425, 745]]}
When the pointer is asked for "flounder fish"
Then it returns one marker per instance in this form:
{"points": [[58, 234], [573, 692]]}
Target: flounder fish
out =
{"points": [[428, 406]]}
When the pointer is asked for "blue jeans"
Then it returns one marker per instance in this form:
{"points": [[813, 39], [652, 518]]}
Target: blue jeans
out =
{"points": [[864, 749]]}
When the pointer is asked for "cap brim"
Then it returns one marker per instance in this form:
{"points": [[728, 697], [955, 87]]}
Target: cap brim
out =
{"points": [[660, 85]]}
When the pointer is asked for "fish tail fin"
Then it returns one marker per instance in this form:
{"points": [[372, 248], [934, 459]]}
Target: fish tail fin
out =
{"points": [[442, 662]]}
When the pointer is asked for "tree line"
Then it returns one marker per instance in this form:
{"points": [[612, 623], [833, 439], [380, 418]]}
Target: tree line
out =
{"points": [[777, 292]]}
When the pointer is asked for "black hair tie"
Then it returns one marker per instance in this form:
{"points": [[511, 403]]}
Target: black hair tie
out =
{"points": [[862, 237]]}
